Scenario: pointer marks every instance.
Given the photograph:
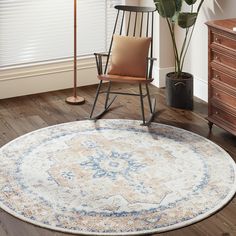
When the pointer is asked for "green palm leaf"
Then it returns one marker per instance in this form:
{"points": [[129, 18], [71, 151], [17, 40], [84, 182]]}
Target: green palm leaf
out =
{"points": [[187, 19], [190, 2], [166, 8], [171, 10], [178, 4]]}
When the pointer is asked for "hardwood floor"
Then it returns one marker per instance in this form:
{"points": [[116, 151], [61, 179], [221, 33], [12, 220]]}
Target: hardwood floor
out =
{"points": [[21, 115]]}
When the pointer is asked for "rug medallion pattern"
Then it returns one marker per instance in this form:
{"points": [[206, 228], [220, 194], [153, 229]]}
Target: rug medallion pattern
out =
{"points": [[114, 177]]}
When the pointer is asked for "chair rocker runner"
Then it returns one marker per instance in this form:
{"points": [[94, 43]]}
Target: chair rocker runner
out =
{"points": [[132, 57]]}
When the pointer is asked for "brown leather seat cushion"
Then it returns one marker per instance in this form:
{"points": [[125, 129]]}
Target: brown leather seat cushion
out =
{"points": [[124, 79], [129, 56]]}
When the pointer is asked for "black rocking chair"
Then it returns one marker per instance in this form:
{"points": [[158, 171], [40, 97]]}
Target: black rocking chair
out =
{"points": [[136, 22]]}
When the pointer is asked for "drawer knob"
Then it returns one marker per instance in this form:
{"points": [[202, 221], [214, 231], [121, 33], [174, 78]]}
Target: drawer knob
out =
{"points": [[217, 58], [217, 40], [217, 95], [217, 113], [217, 77]]}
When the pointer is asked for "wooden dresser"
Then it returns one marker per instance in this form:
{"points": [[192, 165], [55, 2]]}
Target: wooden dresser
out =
{"points": [[222, 74]]}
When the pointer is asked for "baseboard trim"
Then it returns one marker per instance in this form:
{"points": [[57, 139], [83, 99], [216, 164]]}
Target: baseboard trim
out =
{"points": [[45, 77], [53, 76]]}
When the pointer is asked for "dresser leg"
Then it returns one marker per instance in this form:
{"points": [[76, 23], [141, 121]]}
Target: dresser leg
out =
{"points": [[210, 124]]}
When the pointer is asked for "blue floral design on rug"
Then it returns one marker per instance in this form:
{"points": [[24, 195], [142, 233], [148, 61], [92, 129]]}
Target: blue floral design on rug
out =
{"points": [[115, 163]]}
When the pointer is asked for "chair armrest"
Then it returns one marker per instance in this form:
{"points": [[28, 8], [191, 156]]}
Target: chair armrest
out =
{"points": [[150, 62], [101, 54], [151, 58], [98, 57]]}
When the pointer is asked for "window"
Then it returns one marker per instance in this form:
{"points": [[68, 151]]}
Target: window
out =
{"points": [[36, 31]]}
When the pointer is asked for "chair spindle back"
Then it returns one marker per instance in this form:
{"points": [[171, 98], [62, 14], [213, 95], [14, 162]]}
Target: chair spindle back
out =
{"points": [[133, 21]]}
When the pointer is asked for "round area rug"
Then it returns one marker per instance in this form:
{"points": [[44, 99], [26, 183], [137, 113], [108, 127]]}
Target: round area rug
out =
{"points": [[114, 177]]}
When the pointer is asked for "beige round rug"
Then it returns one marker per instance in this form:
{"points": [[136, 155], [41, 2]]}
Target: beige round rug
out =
{"points": [[114, 177]]}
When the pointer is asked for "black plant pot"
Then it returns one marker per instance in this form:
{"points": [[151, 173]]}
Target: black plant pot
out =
{"points": [[179, 91]]}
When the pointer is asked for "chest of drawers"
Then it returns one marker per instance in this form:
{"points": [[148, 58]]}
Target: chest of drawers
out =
{"points": [[222, 74]]}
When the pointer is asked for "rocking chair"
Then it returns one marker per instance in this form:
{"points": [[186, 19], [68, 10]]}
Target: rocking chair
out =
{"points": [[132, 57]]}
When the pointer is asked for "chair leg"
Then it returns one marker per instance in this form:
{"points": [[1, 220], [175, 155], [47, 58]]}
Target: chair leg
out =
{"points": [[107, 104], [142, 106], [96, 98], [149, 98], [152, 106], [108, 93]]}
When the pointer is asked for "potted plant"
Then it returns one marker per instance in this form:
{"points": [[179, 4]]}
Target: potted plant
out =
{"points": [[179, 84]]}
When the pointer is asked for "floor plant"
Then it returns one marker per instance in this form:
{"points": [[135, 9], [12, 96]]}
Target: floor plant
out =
{"points": [[182, 90]]}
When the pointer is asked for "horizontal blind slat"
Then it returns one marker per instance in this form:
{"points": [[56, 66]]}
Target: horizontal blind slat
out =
{"points": [[34, 31]]}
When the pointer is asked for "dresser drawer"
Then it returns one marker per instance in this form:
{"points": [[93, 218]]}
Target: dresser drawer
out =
{"points": [[218, 76], [223, 59], [223, 97], [222, 74], [221, 115], [222, 40]]}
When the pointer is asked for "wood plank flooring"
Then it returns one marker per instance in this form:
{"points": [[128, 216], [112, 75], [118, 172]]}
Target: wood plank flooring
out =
{"points": [[24, 114]]}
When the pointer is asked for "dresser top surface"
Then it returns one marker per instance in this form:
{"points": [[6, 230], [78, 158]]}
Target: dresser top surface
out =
{"points": [[226, 24]]}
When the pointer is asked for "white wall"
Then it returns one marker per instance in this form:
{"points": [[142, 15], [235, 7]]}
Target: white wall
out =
{"points": [[163, 49], [45, 77], [197, 57]]}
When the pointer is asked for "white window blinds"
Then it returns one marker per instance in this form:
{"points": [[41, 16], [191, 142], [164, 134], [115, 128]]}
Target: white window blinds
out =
{"points": [[35, 31]]}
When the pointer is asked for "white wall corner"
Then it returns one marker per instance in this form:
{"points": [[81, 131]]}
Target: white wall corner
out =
{"points": [[200, 85], [197, 56], [159, 75]]}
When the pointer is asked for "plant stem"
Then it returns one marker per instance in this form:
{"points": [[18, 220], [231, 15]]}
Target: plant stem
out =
{"points": [[185, 53], [184, 44], [175, 48], [200, 5], [186, 50], [185, 40]]}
